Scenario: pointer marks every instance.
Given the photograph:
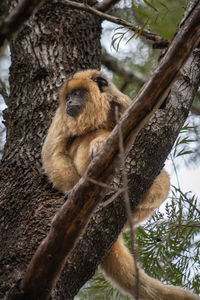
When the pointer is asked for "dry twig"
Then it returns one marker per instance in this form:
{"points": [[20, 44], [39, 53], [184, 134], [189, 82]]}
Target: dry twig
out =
{"points": [[127, 201], [146, 33]]}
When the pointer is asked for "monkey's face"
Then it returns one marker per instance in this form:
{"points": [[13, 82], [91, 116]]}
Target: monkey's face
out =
{"points": [[77, 98], [87, 101], [75, 102]]}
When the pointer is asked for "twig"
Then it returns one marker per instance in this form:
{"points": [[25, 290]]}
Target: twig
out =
{"points": [[106, 186], [184, 196], [16, 18], [127, 201], [111, 199], [3, 92], [146, 33], [106, 5], [123, 86]]}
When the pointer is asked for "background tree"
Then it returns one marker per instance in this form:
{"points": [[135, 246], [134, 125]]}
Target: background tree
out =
{"points": [[53, 43]]}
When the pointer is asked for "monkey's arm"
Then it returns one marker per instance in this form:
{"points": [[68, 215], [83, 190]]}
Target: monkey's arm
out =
{"points": [[86, 147], [97, 143], [57, 162]]}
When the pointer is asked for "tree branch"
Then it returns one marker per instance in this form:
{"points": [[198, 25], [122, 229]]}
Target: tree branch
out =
{"points": [[16, 18], [146, 33], [71, 220], [118, 67], [106, 5]]}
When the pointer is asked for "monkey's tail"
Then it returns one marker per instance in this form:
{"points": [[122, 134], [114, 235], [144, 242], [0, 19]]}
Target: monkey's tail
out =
{"points": [[119, 267]]}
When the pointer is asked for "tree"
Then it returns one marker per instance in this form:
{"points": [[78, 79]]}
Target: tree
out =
{"points": [[53, 43]]}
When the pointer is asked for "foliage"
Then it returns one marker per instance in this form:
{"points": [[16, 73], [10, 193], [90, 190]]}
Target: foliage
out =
{"points": [[152, 15], [195, 147], [161, 17], [158, 13], [183, 142], [100, 289], [169, 243]]}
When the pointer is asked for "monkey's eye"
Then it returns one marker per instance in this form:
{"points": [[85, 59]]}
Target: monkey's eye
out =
{"points": [[101, 82], [75, 92]]}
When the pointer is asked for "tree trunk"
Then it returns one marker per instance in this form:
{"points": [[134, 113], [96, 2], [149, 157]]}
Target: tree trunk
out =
{"points": [[54, 43]]}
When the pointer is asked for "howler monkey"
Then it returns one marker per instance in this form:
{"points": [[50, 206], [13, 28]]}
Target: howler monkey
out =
{"points": [[84, 119]]}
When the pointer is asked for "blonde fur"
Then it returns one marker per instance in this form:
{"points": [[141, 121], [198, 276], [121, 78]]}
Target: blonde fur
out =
{"points": [[70, 145]]}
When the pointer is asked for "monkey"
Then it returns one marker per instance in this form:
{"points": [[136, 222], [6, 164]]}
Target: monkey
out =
{"points": [[82, 123]]}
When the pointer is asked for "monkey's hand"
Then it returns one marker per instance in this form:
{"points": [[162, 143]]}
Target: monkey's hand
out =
{"points": [[96, 145]]}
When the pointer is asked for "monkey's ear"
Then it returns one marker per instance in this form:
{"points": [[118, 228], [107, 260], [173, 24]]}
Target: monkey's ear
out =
{"points": [[101, 82]]}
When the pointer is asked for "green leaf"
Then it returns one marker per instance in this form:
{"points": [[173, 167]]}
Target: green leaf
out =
{"points": [[165, 6], [182, 152], [149, 4]]}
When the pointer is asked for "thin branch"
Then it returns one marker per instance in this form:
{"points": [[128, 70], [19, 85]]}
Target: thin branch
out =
{"points": [[73, 217], [127, 201], [123, 86], [16, 18], [106, 5], [112, 198], [188, 200], [118, 67], [146, 33], [3, 92], [102, 184]]}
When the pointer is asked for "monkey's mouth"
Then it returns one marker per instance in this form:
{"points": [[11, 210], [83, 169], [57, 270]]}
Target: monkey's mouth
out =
{"points": [[74, 110]]}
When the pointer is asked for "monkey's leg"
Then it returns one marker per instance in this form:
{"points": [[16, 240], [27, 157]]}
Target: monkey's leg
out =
{"points": [[119, 267]]}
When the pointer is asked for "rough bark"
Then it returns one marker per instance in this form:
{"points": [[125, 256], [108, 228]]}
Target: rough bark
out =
{"points": [[54, 43], [50, 46]]}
